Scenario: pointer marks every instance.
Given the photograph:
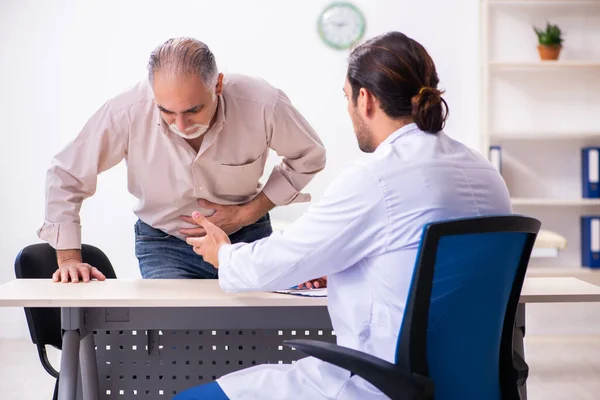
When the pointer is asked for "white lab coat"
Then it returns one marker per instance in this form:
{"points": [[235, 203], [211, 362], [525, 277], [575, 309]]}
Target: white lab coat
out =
{"points": [[363, 234]]}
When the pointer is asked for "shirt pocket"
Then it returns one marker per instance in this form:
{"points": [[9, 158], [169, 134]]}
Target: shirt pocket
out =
{"points": [[238, 180]]}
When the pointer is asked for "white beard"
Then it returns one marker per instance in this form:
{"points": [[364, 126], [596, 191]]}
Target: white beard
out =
{"points": [[195, 130]]}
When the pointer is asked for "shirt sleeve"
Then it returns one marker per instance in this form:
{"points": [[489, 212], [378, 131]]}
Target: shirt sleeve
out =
{"points": [[346, 226], [303, 153], [72, 176]]}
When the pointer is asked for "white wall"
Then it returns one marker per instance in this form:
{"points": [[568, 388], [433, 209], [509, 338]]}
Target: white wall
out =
{"points": [[60, 60]]}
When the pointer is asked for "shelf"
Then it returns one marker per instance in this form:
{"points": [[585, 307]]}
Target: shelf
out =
{"points": [[543, 65], [545, 2], [522, 201], [544, 135], [574, 271]]}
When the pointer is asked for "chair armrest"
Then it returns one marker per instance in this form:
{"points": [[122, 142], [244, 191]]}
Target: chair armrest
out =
{"points": [[392, 380], [45, 362]]}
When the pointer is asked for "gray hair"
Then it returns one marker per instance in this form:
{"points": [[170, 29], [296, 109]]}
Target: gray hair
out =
{"points": [[183, 56]]}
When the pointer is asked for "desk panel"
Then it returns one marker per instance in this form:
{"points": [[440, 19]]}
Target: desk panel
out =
{"points": [[154, 353]]}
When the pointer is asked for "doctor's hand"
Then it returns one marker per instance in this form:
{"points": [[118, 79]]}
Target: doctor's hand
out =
{"points": [[230, 218], [314, 284], [209, 245]]}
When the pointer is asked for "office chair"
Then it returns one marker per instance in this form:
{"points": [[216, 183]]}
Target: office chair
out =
{"points": [[455, 341], [38, 261]]}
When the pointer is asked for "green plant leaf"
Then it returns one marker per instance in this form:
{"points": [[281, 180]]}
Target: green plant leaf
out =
{"points": [[550, 36]]}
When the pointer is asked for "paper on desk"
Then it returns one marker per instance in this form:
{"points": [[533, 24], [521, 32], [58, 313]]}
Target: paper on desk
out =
{"points": [[305, 292]]}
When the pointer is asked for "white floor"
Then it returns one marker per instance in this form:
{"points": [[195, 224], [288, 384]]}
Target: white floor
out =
{"points": [[561, 368]]}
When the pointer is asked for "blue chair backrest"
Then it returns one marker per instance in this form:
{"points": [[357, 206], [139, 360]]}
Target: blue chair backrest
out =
{"points": [[464, 294]]}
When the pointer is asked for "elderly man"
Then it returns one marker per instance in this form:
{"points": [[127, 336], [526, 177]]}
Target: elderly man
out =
{"points": [[191, 138]]}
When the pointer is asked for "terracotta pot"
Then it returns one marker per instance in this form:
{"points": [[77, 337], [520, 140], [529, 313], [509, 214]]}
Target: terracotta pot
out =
{"points": [[549, 52]]}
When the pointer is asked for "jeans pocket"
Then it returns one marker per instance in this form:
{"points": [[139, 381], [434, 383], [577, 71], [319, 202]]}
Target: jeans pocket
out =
{"points": [[145, 233]]}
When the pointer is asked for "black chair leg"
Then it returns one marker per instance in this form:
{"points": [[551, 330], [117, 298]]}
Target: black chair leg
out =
{"points": [[55, 396], [45, 362]]}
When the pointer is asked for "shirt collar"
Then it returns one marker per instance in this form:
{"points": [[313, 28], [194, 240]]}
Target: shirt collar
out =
{"points": [[220, 121], [412, 127]]}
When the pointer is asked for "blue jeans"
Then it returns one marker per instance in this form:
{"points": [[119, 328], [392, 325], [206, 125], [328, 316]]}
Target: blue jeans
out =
{"points": [[162, 256]]}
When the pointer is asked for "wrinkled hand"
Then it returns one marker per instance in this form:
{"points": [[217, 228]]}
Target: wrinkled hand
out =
{"points": [[314, 284], [209, 245], [229, 218], [73, 271]]}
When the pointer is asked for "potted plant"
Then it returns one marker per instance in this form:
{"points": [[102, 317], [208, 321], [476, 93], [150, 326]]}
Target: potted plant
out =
{"points": [[550, 41]]}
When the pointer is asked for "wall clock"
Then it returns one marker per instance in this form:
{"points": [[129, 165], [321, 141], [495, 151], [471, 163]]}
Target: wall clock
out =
{"points": [[341, 25]]}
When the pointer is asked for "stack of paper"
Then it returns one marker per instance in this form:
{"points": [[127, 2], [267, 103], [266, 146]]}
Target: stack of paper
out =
{"points": [[305, 292], [548, 244]]}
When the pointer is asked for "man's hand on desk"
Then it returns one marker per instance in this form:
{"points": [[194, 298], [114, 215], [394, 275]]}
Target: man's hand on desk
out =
{"points": [[209, 245], [73, 271], [229, 218]]}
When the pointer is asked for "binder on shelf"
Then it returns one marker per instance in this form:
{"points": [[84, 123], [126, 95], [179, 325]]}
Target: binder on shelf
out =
{"points": [[496, 157], [590, 241], [590, 172]]}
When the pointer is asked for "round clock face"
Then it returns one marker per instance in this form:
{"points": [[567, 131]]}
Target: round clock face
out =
{"points": [[341, 25]]}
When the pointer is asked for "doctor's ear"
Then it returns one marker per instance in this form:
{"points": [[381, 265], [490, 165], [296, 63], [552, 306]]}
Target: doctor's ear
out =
{"points": [[366, 102]]}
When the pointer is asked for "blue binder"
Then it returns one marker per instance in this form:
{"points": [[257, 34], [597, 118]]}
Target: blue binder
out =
{"points": [[590, 172], [496, 157], [590, 241]]}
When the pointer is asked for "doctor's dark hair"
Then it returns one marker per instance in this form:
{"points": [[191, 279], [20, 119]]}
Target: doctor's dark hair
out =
{"points": [[399, 72], [181, 56]]}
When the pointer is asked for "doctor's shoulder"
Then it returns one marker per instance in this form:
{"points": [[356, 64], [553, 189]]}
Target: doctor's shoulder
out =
{"points": [[358, 179]]}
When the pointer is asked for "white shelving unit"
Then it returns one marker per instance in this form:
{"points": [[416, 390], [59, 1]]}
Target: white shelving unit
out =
{"points": [[541, 202], [542, 2], [544, 136], [538, 65], [542, 113]]}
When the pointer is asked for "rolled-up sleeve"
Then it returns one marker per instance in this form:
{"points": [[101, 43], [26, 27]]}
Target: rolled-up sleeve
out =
{"points": [[303, 153], [73, 174]]}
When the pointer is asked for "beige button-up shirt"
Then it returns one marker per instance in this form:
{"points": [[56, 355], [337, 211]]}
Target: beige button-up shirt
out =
{"points": [[164, 171]]}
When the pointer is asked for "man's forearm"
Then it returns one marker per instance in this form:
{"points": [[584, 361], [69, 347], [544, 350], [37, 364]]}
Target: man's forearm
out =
{"points": [[73, 255], [257, 207]]}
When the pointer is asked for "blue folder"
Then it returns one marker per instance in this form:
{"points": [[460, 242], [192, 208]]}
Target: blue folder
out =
{"points": [[590, 172], [496, 157], [590, 241]]}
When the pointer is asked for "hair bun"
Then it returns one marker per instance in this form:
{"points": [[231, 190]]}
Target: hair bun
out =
{"points": [[429, 109], [430, 91]]}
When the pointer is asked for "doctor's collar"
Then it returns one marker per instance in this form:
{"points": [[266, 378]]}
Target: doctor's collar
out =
{"points": [[400, 132]]}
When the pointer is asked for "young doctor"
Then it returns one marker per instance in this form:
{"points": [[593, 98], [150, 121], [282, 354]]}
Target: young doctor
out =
{"points": [[364, 232]]}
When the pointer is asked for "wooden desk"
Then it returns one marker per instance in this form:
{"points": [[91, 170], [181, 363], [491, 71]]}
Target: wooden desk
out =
{"points": [[140, 293], [558, 290], [152, 338], [549, 289], [115, 306], [207, 293]]}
